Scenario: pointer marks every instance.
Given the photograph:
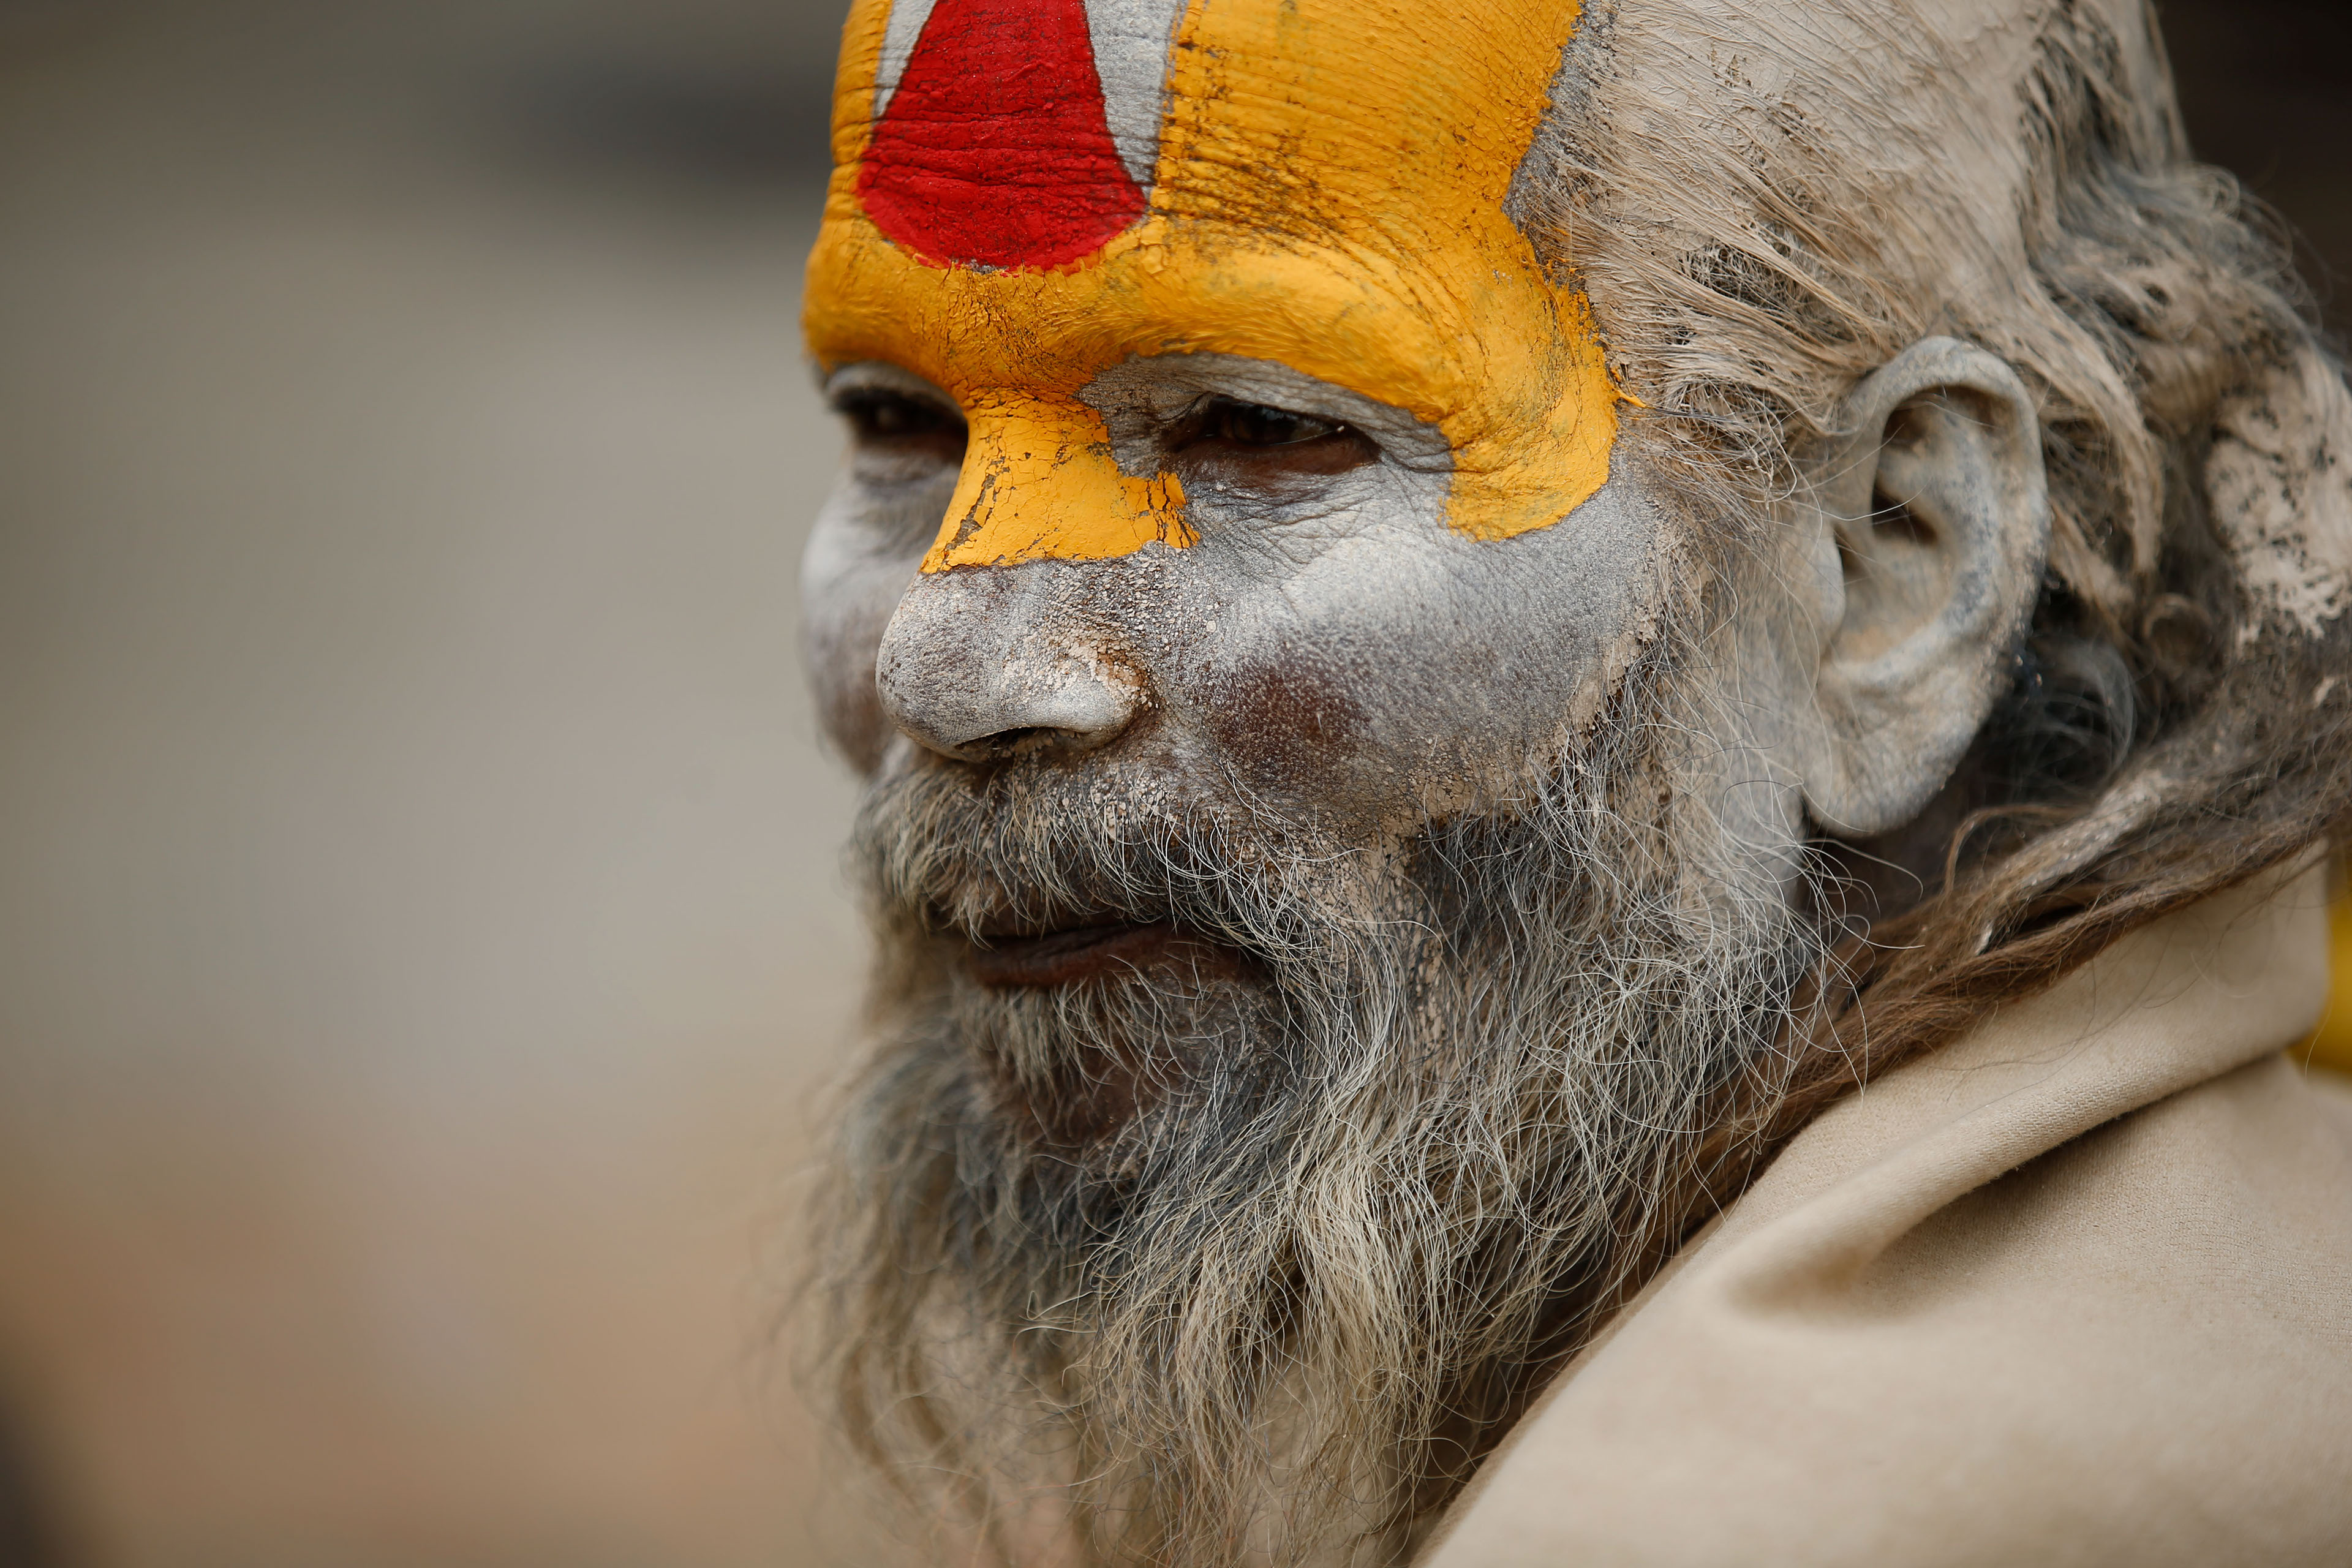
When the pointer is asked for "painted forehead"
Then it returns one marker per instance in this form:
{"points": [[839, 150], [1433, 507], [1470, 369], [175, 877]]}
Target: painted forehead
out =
{"points": [[1019, 133], [1028, 192], [1015, 132]]}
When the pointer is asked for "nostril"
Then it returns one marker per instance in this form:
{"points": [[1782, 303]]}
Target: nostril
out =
{"points": [[1013, 742]]}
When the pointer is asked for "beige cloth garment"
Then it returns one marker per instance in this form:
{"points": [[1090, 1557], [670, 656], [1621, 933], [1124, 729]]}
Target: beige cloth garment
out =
{"points": [[2076, 1290]]}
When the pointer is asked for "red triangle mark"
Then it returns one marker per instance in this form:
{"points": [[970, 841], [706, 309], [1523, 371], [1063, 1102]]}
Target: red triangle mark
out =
{"points": [[995, 151]]}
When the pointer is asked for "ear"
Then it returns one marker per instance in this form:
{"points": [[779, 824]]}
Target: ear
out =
{"points": [[1938, 515]]}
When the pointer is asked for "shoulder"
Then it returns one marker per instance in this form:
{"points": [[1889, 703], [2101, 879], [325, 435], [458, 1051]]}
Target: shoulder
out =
{"points": [[2133, 1347]]}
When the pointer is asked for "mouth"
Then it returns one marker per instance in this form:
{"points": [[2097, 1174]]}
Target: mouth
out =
{"points": [[1077, 952]]}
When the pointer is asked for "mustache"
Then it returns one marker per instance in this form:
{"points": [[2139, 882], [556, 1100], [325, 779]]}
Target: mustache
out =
{"points": [[1027, 850]]}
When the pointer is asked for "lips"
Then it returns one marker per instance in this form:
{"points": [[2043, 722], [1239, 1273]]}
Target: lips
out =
{"points": [[1076, 952]]}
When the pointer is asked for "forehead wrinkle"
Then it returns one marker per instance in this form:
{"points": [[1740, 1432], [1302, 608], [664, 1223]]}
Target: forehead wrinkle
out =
{"points": [[1344, 104], [1349, 315]]}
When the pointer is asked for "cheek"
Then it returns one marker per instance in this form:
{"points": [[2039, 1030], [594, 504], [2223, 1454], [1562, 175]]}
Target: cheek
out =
{"points": [[1375, 724], [841, 678], [847, 593], [1373, 682], [1286, 724]]}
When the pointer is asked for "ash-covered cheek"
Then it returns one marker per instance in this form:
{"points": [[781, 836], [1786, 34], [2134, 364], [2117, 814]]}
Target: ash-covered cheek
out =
{"points": [[1368, 726], [1356, 721], [1404, 667], [1312, 678], [861, 556], [1286, 724]]}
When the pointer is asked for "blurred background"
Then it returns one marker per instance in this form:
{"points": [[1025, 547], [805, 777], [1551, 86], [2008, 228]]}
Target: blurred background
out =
{"points": [[422, 944]]}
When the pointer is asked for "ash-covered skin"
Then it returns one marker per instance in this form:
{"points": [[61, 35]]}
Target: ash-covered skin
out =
{"points": [[1341, 875], [1329, 648]]}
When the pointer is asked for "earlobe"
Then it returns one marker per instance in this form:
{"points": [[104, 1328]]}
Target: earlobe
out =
{"points": [[1939, 515]]}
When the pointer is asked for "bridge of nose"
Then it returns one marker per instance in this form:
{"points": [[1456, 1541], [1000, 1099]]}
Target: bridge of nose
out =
{"points": [[1039, 483]]}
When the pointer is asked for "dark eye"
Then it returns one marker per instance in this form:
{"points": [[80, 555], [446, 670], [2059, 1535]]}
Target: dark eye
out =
{"points": [[1249, 443], [1254, 425], [898, 421]]}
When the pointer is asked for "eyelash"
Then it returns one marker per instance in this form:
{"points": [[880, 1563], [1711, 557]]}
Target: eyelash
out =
{"points": [[885, 417], [878, 414], [1230, 419]]}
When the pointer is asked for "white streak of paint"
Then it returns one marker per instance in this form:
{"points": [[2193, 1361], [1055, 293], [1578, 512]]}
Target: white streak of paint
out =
{"points": [[899, 36], [1131, 40]]}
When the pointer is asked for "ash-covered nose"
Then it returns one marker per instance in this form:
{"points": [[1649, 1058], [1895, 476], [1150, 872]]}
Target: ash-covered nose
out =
{"points": [[979, 665]]}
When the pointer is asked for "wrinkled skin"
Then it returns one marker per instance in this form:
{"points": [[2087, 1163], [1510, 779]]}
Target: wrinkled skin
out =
{"points": [[1388, 571], [1329, 647], [1330, 650], [1145, 552]]}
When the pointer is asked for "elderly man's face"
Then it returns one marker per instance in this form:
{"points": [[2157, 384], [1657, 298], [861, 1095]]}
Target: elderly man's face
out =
{"points": [[1332, 828], [1184, 471]]}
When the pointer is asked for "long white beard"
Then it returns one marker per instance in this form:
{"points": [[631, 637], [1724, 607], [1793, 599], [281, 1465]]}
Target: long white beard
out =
{"points": [[1251, 1258]]}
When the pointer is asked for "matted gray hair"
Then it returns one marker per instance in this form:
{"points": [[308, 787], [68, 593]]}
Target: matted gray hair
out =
{"points": [[1766, 205]]}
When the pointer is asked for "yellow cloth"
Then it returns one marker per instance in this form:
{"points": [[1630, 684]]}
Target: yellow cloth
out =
{"points": [[2076, 1289]]}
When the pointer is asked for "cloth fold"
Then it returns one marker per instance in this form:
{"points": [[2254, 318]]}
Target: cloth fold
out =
{"points": [[2076, 1289]]}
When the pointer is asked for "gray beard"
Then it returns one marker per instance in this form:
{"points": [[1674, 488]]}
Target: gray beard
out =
{"points": [[1253, 1255]]}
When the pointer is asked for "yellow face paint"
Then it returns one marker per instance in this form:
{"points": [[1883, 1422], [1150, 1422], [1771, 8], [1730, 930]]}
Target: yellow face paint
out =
{"points": [[1327, 195], [1038, 480]]}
